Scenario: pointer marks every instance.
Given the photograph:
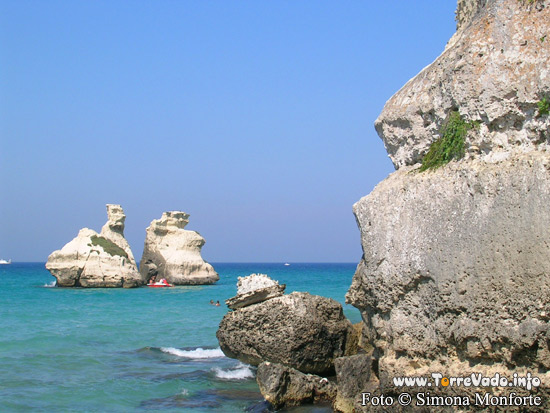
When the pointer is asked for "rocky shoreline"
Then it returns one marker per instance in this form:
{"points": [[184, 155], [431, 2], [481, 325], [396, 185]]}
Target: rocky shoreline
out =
{"points": [[302, 344]]}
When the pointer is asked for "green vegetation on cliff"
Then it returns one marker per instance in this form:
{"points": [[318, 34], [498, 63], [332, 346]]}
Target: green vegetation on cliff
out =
{"points": [[543, 106], [451, 144], [108, 246]]}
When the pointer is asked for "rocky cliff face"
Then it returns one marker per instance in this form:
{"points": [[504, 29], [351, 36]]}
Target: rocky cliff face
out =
{"points": [[455, 272], [97, 260], [494, 71], [174, 253]]}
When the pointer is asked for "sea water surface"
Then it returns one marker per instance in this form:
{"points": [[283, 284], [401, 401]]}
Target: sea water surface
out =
{"points": [[144, 349]]}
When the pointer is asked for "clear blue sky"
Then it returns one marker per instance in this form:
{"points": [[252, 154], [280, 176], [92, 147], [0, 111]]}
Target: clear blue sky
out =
{"points": [[256, 117]]}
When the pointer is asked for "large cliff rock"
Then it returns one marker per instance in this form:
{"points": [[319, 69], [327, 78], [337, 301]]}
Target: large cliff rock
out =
{"points": [[494, 70], [174, 253], [456, 265], [455, 273], [97, 260], [302, 331]]}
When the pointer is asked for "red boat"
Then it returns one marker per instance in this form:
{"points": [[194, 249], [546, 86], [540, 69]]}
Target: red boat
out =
{"points": [[161, 283]]}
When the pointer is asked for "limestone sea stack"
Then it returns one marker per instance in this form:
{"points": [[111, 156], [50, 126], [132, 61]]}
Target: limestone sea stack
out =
{"points": [[174, 253], [455, 273], [97, 260]]}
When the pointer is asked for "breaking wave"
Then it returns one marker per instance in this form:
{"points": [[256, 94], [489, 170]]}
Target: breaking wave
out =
{"points": [[198, 353], [241, 372]]}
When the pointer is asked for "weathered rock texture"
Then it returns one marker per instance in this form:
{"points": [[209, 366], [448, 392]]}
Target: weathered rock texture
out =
{"points": [[284, 386], [466, 10], [455, 273], [97, 260], [354, 375], [494, 70], [299, 330], [254, 289], [174, 253]]}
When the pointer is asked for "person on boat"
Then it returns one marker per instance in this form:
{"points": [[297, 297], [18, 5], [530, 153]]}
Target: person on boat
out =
{"points": [[163, 281], [153, 279]]}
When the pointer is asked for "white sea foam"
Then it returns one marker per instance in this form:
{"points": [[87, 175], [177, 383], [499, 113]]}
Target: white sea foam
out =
{"points": [[50, 285], [198, 353], [241, 372]]}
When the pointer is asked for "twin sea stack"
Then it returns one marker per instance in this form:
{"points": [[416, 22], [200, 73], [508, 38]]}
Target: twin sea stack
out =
{"points": [[105, 260], [174, 253]]}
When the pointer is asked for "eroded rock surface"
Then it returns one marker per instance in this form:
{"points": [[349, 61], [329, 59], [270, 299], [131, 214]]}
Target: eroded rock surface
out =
{"points": [[494, 71], [455, 273], [284, 386], [354, 375], [97, 260], [299, 330], [174, 253]]}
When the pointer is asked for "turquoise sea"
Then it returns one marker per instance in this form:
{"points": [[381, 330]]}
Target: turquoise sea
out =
{"points": [[118, 350]]}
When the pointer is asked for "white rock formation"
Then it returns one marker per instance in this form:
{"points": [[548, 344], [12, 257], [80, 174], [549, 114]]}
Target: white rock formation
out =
{"points": [[113, 229], [254, 282], [97, 260], [174, 253], [254, 289]]}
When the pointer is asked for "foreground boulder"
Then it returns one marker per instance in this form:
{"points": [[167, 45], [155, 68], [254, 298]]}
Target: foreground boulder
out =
{"points": [[284, 386], [174, 253], [97, 260], [455, 274], [299, 330]]}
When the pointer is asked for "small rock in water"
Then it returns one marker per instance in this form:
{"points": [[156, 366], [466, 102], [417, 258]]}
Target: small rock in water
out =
{"points": [[254, 289]]}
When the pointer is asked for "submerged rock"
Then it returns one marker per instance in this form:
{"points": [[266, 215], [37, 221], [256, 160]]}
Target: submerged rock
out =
{"points": [[97, 260], [254, 289], [300, 330], [174, 253], [285, 387]]}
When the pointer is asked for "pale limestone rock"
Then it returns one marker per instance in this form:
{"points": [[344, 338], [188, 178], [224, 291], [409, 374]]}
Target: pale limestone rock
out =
{"points": [[97, 260], [456, 261], [114, 229], [455, 273], [466, 10], [174, 253], [254, 289], [254, 282], [494, 70]]}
